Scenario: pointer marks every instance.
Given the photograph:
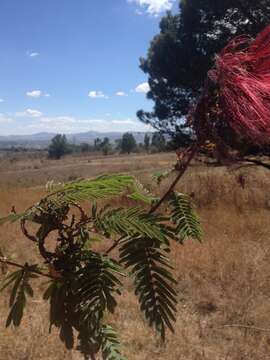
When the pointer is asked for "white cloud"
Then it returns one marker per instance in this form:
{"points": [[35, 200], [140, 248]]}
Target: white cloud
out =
{"points": [[34, 93], [154, 7], [143, 88], [58, 120], [97, 95], [121, 93], [29, 113], [33, 113], [122, 122], [138, 12], [32, 53], [69, 124], [128, 125], [2, 100], [37, 94]]}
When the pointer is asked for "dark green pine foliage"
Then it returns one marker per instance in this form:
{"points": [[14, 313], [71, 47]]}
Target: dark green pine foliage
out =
{"points": [[128, 143], [58, 147], [85, 284]]}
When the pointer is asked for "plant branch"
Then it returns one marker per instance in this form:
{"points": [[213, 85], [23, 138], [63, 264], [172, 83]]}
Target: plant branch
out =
{"points": [[258, 162], [188, 156], [182, 169], [11, 263], [26, 233], [116, 242], [246, 327], [93, 357]]}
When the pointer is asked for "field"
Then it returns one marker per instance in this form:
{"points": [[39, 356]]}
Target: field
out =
{"points": [[224, 282]]}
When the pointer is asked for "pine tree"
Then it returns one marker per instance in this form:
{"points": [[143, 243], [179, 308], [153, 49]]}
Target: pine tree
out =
{"points": [[58, 147], [128, 143], [158, 141], [146, 142]]}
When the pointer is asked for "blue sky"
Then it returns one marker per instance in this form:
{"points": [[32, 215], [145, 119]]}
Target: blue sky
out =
{"points": [[72, 65]]}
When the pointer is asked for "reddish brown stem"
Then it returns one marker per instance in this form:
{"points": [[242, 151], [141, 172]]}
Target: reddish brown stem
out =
{"points": [[11, 263], [113, 246], [190, 153], [26, 233], [20, 266], [258, 162]]}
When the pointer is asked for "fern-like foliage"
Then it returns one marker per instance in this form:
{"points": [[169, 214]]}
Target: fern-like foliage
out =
{"points": [[153, 281], [102, 187], [110, 344], [184, 217], [11, 218], [21, 288], [84, 283], [141, 194], [132, 222], [106, 186], [159, 176], [61, 310], [95, 285], [81, 299]]}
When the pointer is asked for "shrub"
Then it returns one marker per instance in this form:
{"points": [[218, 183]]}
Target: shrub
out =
{"points": [[83, 283]]}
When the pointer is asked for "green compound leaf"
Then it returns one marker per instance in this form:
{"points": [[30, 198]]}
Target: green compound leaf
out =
{"points": [[184, 217], [154, 282], [110, 347]]}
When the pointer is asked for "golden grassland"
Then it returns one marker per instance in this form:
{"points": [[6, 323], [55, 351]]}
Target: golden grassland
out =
{"points": [[223, 283]]}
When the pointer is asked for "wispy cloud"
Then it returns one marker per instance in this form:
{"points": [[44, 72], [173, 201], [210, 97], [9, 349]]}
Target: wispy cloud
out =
{"points": [[153, 7], [138, 12], [2, 100], [32, 113], [36, 94], [32, 54], [143, 88], [124, 122], [121, 93], [69, 124], [32, 121], [97, 95]]}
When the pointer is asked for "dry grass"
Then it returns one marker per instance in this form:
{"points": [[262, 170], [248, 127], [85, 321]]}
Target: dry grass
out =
{"points": [[223, 281], [32, 172]]}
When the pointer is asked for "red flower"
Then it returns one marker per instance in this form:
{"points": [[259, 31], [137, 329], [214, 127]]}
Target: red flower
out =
{"points": [[237, 93]]}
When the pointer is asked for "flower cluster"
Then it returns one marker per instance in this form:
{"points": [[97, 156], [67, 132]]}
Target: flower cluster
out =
{"points": [[236, 98]]}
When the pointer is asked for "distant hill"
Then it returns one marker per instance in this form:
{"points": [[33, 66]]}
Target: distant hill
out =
{"points": [[42, 140]]}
